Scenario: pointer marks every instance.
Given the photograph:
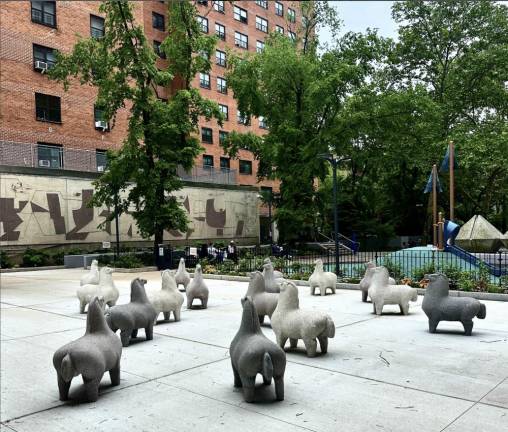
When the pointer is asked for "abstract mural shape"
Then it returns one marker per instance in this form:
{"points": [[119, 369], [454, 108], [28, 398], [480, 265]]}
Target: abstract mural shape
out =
{"points": [[9, 219], [215, 219], [186, 204], [55, 213], [36, 208], [105, 214], [82, 217], [239, 228]]}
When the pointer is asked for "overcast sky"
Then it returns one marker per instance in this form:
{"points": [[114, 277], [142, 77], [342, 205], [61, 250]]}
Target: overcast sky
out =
{"points": [[359, 15]]}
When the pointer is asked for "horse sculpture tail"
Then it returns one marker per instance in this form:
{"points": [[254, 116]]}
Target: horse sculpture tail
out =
{"points": [[67, 369], [267, 367], [482, 313], [330, 327]]}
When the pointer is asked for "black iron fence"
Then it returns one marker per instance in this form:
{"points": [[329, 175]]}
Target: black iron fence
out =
{"points": [[407, 264]]}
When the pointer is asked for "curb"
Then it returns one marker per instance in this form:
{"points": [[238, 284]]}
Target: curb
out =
{"points": [[356, 287], [25, 269], [133, 270]]}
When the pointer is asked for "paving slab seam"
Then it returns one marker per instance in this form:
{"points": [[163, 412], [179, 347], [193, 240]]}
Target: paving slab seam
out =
{"points": [[190, 340], [9, 338], [240, 407], [473, 405], [7, 426], [381, 381], [83, 318]]}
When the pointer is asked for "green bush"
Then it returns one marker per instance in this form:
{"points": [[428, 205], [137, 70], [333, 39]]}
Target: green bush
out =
{"points": [[5, 260], [394, 269], [466, 281], [419, 273], [128, 261], [35, 258]]}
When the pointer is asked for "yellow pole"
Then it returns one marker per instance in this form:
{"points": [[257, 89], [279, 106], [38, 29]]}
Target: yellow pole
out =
{"points": [[452, 180]]}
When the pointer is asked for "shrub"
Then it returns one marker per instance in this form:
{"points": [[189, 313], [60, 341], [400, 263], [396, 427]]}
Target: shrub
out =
{"points": [[5, 261], [128, 261], [394, 268], [466, 281], [419, 273], [35, 258]]}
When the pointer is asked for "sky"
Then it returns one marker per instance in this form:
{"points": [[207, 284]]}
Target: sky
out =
{"points": [[359, 15]]}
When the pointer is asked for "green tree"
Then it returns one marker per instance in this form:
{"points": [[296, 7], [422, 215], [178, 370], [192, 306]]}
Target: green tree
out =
{"points": [[458, 50], [299, 92], [161, 135]]}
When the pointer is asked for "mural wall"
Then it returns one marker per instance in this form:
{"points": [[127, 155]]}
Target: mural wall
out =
{"points": [[52, 210]]}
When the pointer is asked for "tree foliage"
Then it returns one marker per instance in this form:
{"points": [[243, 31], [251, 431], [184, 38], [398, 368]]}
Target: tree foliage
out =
{"points": [[142, 174]]}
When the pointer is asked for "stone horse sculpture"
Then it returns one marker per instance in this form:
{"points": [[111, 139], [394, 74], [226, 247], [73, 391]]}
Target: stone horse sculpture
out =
{"points": [[277, 274], [367, 278], [272, 284], [439, 306], [264, 302], [92, 277], [90, 356], [182, 276], [289, 321], [382, 293], [197, 289], [322, 280], [105, 289], [168, 299], [252, 353], [130, 317]]}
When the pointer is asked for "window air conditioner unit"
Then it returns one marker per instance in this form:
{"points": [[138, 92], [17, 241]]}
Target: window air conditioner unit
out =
{"points": [[101, 125], [44, 163], [41, 66], [100, 168]]}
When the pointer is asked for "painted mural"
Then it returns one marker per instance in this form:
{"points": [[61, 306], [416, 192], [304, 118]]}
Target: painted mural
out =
{"points": [[53, 210]]}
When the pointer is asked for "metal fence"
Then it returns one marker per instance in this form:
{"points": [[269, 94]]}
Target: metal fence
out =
{"points": [[65, 158], [407, 263]]}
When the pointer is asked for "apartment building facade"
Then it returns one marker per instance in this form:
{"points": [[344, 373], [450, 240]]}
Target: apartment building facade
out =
{"points": [[50, 130]]}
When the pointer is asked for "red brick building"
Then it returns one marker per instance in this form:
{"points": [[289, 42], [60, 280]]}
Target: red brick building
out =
{"points": [[43, 126]]}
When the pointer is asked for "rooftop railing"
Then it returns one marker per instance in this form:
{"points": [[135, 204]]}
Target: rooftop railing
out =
{"points": [[56, 157]]}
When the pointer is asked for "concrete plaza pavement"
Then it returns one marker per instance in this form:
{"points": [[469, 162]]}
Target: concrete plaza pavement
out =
{"points": [[381, 373]]}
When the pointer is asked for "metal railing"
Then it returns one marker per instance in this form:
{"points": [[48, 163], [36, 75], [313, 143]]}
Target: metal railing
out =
{"points": [[27, 155]]}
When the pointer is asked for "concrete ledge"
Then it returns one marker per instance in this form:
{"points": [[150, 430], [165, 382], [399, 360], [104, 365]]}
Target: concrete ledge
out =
{"points": [[134, 270], [25, 269]]}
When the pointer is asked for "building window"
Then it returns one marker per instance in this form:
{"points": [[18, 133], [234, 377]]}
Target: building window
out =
{"points": [[262, 24], [245, 167], [101, 160], [47, 108], [244, 120], [219, 6], [262, 123], [96, 26], [99, 119], [204, 80], [292, 35], [158, 21], [240, 14], [279, 9], [241, 40], [291, 15], [49, 155], [279, 29], [44, 57], [224, 163], [224, 110], [220, 58], [222, 86], [44, 12], [220, 31], [223, 136], [203, 23], [207, 135], [207, 161], [158, 50], [260, 46], [262, 3]]}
